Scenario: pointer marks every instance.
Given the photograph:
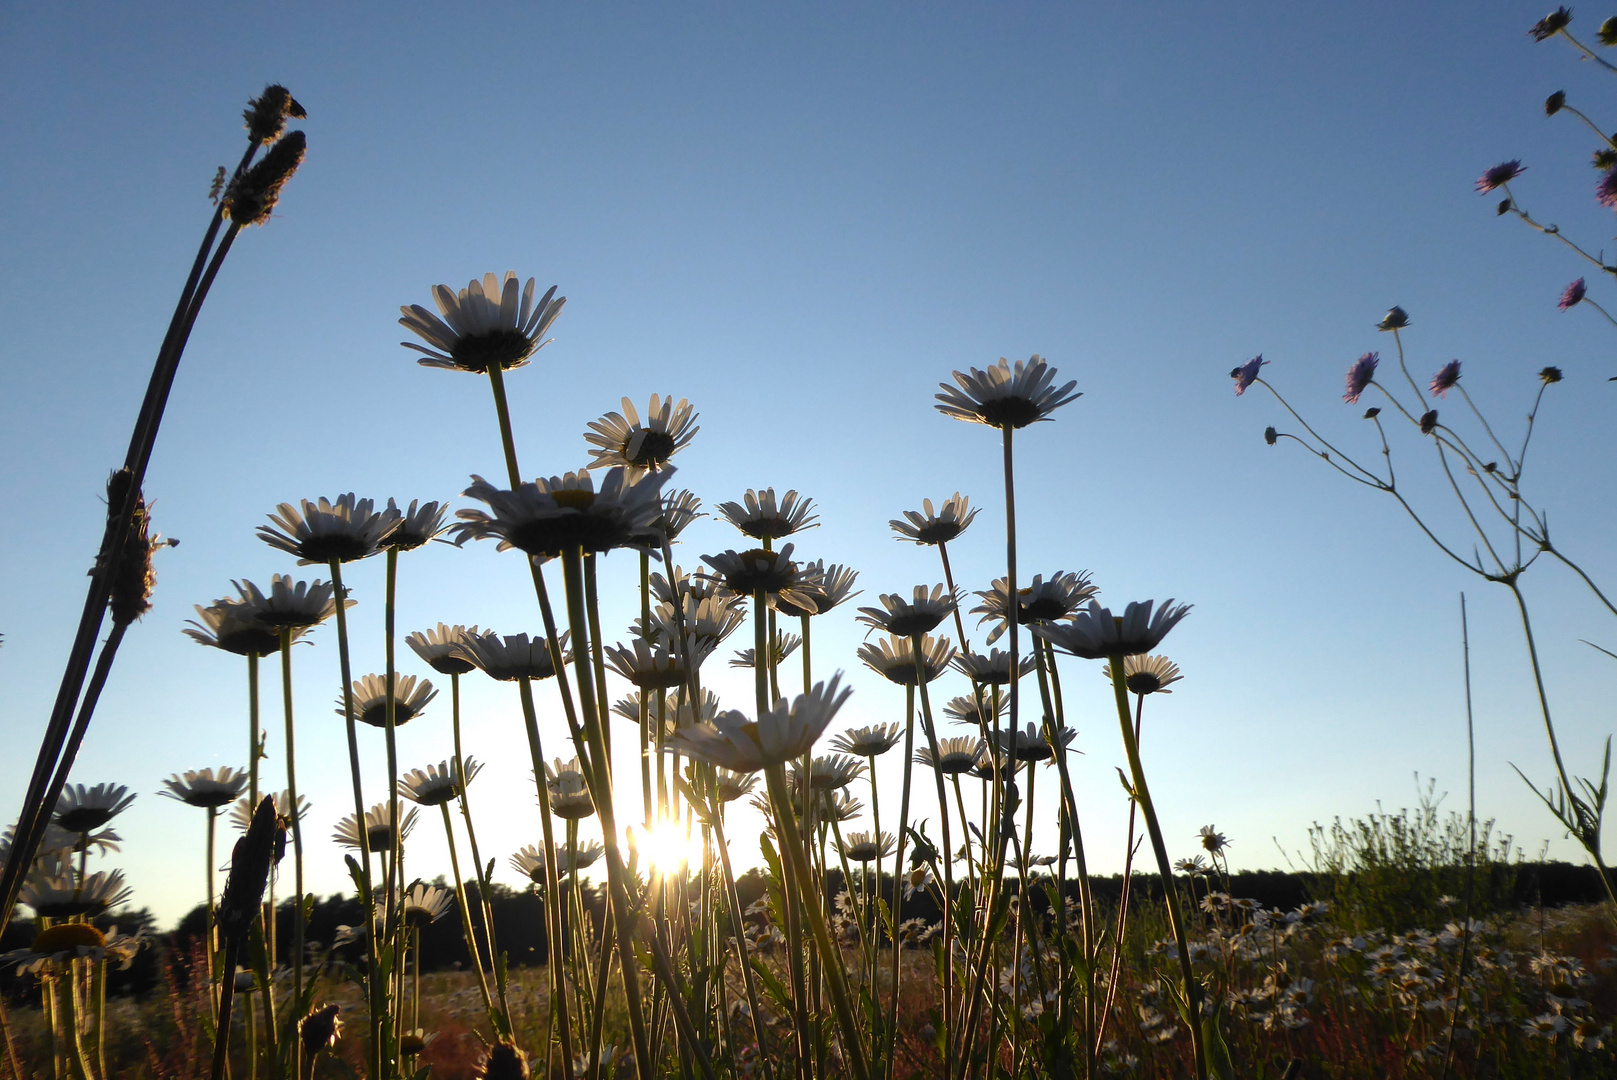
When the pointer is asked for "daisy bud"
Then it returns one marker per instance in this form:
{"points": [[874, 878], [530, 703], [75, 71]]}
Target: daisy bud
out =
{"points": [[1271, 436], [1605, 158], [1428, 422], [1492, 466], [267, 113], [1551, 24], [251, 196], [1608, 32], [504, 1062], [1372, 412], [1553, 103], [1550, 375], [1503, 208]]}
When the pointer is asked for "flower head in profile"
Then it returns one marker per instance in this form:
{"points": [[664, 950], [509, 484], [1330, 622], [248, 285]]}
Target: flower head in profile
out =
{"points": [[1396, 318], [566, 513], [439, 648], [974, 709], [827, 772], [1030, 745], [787, 731], [1005, 397], [65, 896], [868, 742], [955, 755], [1551, 24], [1572, 295], [378, 829], [781, 645], [864, 847], [1039, 601], [935, 526], [1359, 376], [680, 508], [622, 439], [990, 669], [241, 815], [1606, 190], [895, 659], [292, 605], [1247, 374], [569, 791], [773, 573], [1096, 634], [901, 617], [1147, 674], [731, 786], [327, 531], [234, 626], [1499, 176], [437, 784], [81, 809], [1447, 376], [512, 657], [761, 516], [410, 697], [825, 586], [320, 1030], [485, 326], [652, 665], [1428, 422], [425, 904], [205, 788], [504, 1061], [421, 523], [1212, 840], [1550, 375]]}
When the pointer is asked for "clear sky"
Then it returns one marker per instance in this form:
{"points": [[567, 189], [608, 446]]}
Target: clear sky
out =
{"points": [[802, 217]]}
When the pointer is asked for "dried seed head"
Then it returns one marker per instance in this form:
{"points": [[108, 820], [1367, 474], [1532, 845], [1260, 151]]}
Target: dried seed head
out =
{"points": [[504, 1062], [1608, 31], [249, 871], [320, 1029], [1553, 103], [1428, 422], [1271, 436], [267, 113], [252, 195], [131, 591]]}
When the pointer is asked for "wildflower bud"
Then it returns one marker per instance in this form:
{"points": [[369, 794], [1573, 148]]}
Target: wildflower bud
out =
{"points": [[1372, 412], [1492, 466], [1395, 319], [320, 1029], [131, 591], [1608, 32], [1550, 375], [1553, 103], [1551, 24], [251, 196], [1271, 436], [1428, 422], [1503, 208], [1605, 158], [249, 872], [504, 1062], [267, 113]]}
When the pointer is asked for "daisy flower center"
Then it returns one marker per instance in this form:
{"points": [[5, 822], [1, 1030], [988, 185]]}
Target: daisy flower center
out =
{"points": [[68, 936], [493, 348]]}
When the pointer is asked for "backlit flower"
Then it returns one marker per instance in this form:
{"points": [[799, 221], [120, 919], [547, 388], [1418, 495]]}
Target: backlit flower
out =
{"points": [[761, 517], [1247, 374], [1096, 634], [905, 618], [204, 788], [1446, 377], [894, 658], [862, 847], [484, 326], [1004, 397], [1037, 602], [378, 828], [512, 657], [566, 513], [410, 696], [439, 648], [1572, 295], [425, 904], [436, 784], [1396, 318], [1606, 189], [868, 742], [976, 710], [1147, 674], [1551, 24], [1028, 745], [755, 570], [1550, 375], [680, 508], [1428, 422], [241, 815], [416, 526], [828, 772], [785, 732], [990, 669], [320, 1030], [955, 755], [1499, 175], [569, 791], [622, 439], [345, 530], [65, 896], [730, 786], [781, 645], [1359, 376], [234, 626], [1212, 840], [929, 526], [81, 809], [293, 605]]}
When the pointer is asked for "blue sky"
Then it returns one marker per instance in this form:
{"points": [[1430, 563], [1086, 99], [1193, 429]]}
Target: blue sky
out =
{"points": [[802, 218]]}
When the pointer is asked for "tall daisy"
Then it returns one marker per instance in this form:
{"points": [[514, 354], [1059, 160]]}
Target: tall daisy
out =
{"points": [[566, 513], [485, 326], [623, 439], [761, 516]]}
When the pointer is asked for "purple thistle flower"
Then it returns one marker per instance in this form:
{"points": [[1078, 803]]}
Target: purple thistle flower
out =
{"points": [[1359, 376], [1446, 377], [1574, 292], [1247, 374], [1500, 175], [1606, 190]]}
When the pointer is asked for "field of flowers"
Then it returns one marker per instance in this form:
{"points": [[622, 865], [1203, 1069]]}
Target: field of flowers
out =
{"points": [[889, 933]]}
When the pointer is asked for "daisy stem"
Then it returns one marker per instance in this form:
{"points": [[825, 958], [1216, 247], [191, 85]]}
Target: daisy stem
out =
{"points": [[297, 839], [792, 841], [592, 604], [466, 915], [255, 745], [395, 883], [502, 1022], [948, 579], [738, 925], [1170, 897], [207, 917], [496, 381], [948, 846], [896, 908]]}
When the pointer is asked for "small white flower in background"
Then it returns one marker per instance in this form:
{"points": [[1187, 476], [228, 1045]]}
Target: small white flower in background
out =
{"points": [[1037, 603], [241, 815], [437, 784], [929, 526], [81, 809], [1147, 674], [920, 614], [894, 658], [421, 523], [1213, 840], [206, 789], [410, 696], [346, 530], [622, 439], [439, 647], [1094, 633], [484, 326], [868, 742], [378, 828]]}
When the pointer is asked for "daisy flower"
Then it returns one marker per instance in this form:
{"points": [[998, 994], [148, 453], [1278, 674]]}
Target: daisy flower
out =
{"points": [[1212, 840], [241, 815], [895, 658], [781, 645], [868, 742], [650, 666], [785, 732], [1037, 602], [828, 772], [345, 530], [439, 648], [755, 570], [512, 657], [1026, 745], [437, 784], [622, 439], [862, 847], [484, 326], [378, 829], [569, 792], [566, 513], [234, 626], [292, 605], [706, 623], [990, 669], [410, 696], [905, 618], [1147, 674], [974, 710], [425, 904], [1096, 634], [63, 897], [82, 810], [730, 786], [680, 508], [204, 788], [419, 524], [1004, 397], [955, 755], [762, 518], [939, 526]]}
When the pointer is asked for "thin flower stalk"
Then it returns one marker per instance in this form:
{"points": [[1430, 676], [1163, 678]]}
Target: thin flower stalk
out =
{"points": [[298, 929]]}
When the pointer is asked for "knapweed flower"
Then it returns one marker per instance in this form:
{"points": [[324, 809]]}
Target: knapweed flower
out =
{"points": [[1445, 379], [781, 645], [1096, 634], [63, 897], [1270, 435], [419, 524], [1359, 376], [1213, 841], [205, 788], [905, 618], [234, 626], [1396, 318], [862, 847], [437, 784], [1004, 397], [956, 755], [785, 732], [990, 669], [761, 517], [895, 659], [503, 1062], [1428, 422], [1606, 190], [653, 666], [1550, 375], [566, 513], [410, 696], [439, 648], [81, 809], [291, 605], [1555, 103], [1247, 374], [1499, 175], [929, 526], [320, 1030], [484, 326], [1571, 295], [323, 531], [828, 772], [569, 791], [512, 657], [1551, 24], [868, 742], [1037, 602], [378, 829], [745, 573], [1147, 674], [621, 438]]}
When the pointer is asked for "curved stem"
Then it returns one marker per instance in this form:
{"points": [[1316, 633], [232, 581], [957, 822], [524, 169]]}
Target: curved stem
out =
{"points": [[297, 839]]}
